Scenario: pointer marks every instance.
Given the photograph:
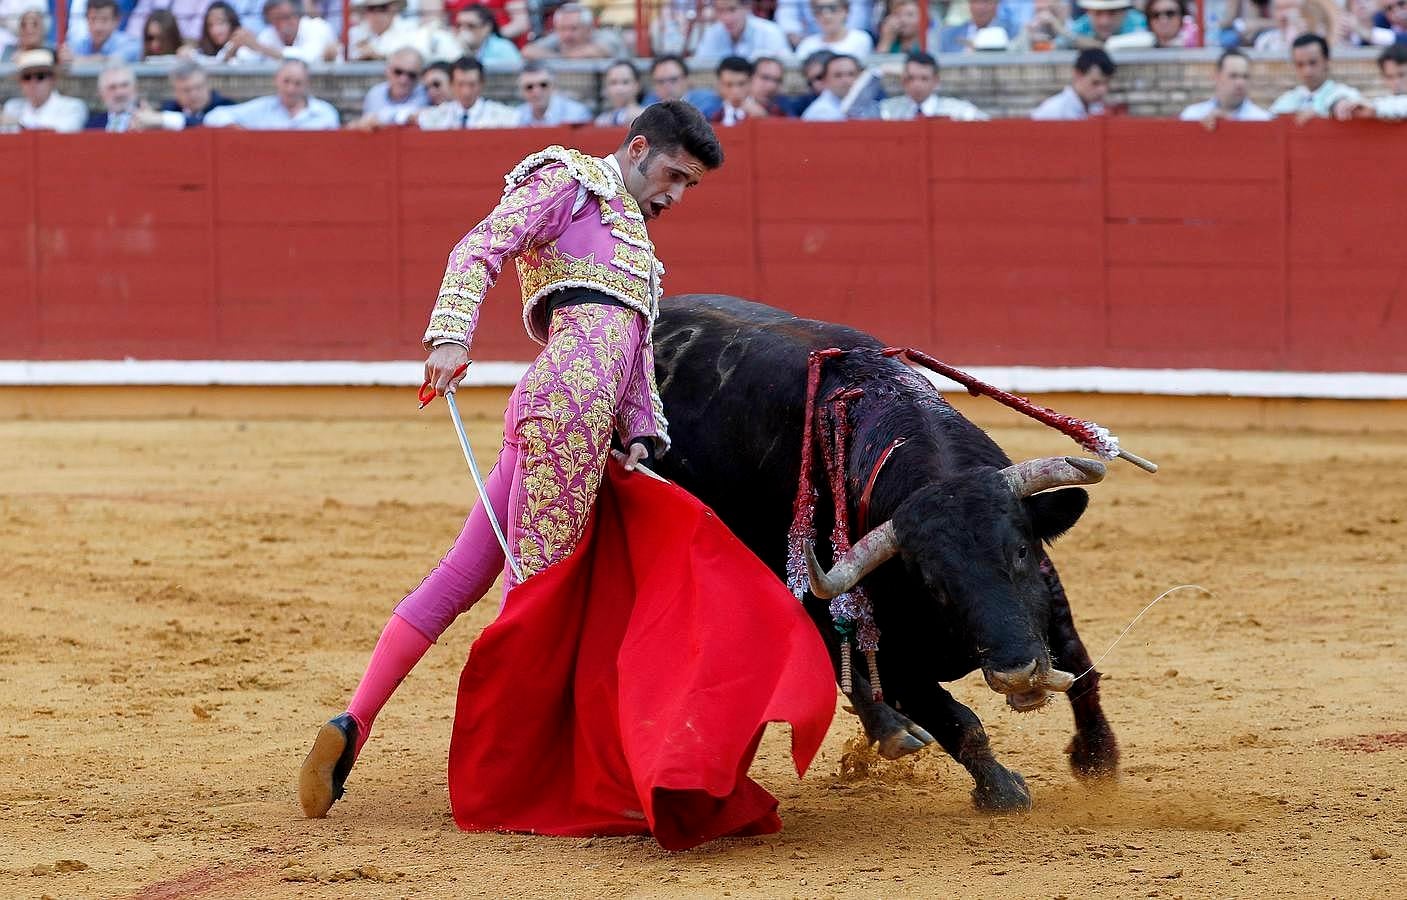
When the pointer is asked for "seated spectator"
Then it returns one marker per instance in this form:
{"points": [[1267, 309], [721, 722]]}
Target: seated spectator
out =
{"points": [[31, 27], [467, 107], [669, 80], [1102, 20], [393, 101], [899, 32], [1317, 93], [103, 41], [512, 18], [161, 36], [1391, 21], [1230, 94], [1046, 29], [838, 76], [797, 19], [835, 34], [435, 80], [542, 105], [187, 14], [40, 107], [621, 93], [986, 14], [191, 94], [1084, 96], [575, 36], [738, 31], [920, 98], [813, 70], [220, 24], [289, 35], [1242, 21], [477, 31], [1392, 66], [381, 30], [289, 108], [1294, 18], [734, 76], [1363, 24], [1170, 23], [123, 110], [764, 94]]}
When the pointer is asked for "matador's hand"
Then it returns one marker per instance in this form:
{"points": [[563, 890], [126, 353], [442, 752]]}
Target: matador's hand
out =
{"points": [[444, 368], [637, 455]]}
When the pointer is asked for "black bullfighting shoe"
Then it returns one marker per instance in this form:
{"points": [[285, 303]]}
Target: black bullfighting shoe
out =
{"points": [[325, 769]]}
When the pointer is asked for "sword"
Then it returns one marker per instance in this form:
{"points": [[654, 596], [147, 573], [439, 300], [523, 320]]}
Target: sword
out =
{"points": [[474, 473], [479, 485]]}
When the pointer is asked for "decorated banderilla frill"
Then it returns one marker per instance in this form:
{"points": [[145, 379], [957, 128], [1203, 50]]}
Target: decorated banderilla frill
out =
{"points": [[850, 609]]}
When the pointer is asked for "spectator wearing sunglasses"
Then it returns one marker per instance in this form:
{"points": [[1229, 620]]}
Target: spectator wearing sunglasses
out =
{"points": [[40, 107], [436, 82], [797, 18], [393, 101], [835, 33], [542, 105], [1170, 24]]}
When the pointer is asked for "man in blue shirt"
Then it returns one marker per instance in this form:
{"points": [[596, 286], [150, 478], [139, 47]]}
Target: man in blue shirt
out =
{"points": [[669, 80], [288, 109], [542, 104], [738, 32], [103, 41]]}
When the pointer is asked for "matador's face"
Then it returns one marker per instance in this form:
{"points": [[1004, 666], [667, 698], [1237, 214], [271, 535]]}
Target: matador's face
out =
{"points": [[657, 180]]}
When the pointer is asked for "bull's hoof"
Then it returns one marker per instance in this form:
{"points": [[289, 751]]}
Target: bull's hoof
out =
{"points": [[903, 741], [1094, 757], [1002, 791]]}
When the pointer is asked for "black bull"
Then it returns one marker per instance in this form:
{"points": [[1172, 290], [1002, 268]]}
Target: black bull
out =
{"points": [[971, 586]]}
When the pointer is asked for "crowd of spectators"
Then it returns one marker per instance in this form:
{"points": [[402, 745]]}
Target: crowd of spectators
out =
{"points": [[435, 57]]}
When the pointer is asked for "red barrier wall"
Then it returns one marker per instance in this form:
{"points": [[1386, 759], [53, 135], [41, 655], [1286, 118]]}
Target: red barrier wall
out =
{"points": [[1120, 242]]}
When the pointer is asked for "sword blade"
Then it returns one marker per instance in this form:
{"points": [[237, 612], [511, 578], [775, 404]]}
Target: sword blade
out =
{"points": [[479, 485]]}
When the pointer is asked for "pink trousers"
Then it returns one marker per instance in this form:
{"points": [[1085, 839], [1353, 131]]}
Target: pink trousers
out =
{"points": [[556, 439]]}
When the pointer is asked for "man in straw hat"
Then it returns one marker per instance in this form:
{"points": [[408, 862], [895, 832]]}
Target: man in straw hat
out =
{"points": [[41, 107]]}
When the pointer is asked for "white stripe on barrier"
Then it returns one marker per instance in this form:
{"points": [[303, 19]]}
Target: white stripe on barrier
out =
{"points": [[1024, 379]]}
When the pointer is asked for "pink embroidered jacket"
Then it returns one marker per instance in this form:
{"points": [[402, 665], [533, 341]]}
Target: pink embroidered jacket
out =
{"points": [[601, 244]]}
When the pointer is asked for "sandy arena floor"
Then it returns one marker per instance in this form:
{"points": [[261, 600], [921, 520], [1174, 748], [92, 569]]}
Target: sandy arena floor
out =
{"points": [[186, 601]]}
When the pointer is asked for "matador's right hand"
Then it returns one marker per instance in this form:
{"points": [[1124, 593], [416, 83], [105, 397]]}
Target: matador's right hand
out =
{"points": [[445, 367]]}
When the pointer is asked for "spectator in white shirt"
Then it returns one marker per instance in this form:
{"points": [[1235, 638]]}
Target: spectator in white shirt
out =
{"points": [[1317, 94], [835, 34], [797, 18], [1084, 96], [289, 108], [1392, 66], [1230, 95], [40, 107], [920, 98], [289, 35], [734, 76], [542, 104], [837, 78], [468, 108], [381, 30], [737, 31], [123, 110]]}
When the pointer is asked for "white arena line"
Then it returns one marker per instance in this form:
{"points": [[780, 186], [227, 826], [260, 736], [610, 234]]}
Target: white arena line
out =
{"points": [[1023, 379]]}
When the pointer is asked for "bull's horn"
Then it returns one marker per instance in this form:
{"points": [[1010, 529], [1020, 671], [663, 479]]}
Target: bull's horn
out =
{"points": [[1057, 680], [1036, 475], [862, 559]]}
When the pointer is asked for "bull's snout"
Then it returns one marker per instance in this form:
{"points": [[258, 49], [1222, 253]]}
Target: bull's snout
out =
{"points": [[1029, 687]]}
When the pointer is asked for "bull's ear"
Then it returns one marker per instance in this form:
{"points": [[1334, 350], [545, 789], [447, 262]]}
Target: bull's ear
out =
{"points": [[1055, 512]]}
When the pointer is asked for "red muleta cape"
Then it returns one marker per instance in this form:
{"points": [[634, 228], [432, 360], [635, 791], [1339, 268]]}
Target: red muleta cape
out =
{"points": [[625, 689]]}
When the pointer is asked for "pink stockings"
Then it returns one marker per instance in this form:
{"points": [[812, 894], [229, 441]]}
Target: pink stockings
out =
{"points": [[557, 432]]}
